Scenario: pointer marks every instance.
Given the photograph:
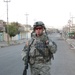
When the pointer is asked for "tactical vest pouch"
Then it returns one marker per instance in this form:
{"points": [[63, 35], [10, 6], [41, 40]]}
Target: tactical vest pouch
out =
{"points": [[32, 60], [40, 46], [43, 50]]}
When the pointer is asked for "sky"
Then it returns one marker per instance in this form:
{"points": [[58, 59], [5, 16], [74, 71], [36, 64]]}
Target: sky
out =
{"points": [[53, 13]]}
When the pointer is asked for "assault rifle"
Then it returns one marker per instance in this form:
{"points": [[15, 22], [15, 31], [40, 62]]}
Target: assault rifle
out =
{"points": [[27, 61]]}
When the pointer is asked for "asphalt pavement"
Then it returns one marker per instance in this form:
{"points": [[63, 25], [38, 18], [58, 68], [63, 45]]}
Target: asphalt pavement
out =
{"points": [[71, 42], [63, 63]]}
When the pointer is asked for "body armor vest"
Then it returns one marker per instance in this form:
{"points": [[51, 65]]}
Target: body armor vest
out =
{"points": [[39, 53]]}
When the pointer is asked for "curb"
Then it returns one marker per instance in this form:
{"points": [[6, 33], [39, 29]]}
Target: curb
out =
{"points": [[12, 43], [71, 44], [2, 46]]}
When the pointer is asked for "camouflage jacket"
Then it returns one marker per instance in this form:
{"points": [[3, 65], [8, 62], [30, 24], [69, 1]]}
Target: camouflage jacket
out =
{"points": [[40, 51]]}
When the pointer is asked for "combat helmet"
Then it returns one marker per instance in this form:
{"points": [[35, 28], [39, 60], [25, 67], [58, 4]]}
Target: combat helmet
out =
{"points": [[38, 23]]}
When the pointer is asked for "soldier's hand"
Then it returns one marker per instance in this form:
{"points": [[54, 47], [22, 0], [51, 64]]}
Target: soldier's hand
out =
{"points": [[47, 42], [27, 43]]}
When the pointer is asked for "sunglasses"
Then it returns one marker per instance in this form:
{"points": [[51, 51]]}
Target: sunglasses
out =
{"points": [[38, 28]]}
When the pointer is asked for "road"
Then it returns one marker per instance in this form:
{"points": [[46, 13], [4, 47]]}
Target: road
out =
{"points": [[64, 59], [63, 64], [11, 61]]}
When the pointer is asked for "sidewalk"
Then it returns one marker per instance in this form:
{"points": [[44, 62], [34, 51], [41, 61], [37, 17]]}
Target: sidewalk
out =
{"points": [[15, 42], [71, 42]]}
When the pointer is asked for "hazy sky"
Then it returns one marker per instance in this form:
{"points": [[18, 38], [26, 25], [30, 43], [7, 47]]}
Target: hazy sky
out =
{"points": [[54, 13]]}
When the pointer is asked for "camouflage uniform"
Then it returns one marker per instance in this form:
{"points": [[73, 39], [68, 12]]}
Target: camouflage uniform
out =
{"points": [[39, 64]]}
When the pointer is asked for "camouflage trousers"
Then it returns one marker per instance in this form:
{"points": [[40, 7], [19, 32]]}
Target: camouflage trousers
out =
{"points": [[40, 69]]}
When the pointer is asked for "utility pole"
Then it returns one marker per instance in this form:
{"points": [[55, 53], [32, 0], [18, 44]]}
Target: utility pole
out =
{"points": [[7, 1], [69, 22], [27, 23], [72, 20], [26, 18]]}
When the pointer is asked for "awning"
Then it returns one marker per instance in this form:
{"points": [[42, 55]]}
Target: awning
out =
{"points": [[71, 33]]}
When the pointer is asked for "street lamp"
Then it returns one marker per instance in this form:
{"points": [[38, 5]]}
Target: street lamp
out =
{"points": [[7, 1]]}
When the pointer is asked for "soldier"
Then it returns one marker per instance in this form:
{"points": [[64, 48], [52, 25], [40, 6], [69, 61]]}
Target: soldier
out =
{"points": [[41, 51]]}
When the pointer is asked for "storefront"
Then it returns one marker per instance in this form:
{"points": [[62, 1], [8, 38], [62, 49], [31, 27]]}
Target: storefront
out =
{"points": [[71, 35]]}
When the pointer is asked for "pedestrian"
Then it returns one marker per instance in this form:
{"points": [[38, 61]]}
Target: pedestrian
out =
{"points": [[41, 51]]}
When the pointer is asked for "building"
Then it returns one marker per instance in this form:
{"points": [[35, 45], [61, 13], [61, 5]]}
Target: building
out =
{"points": [[25, 31], [72, 28], [2, 30], [69, 31]]}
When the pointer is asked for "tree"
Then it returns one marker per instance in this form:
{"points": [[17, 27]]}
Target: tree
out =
{"points": [[12, 29]]}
